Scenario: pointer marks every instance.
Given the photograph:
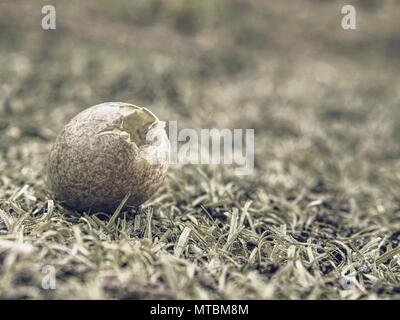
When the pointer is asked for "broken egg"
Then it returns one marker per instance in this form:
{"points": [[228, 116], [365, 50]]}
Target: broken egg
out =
{"points": [[108, 153]]}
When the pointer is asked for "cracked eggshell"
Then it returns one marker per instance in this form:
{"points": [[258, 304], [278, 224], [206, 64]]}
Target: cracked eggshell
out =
{"points": [[106, 152]]}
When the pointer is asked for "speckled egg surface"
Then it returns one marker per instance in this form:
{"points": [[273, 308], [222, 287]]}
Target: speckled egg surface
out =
{"points": [[105, 153]]}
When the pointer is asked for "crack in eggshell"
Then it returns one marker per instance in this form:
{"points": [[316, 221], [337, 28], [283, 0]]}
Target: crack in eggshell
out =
{"points": [[135, 126]]}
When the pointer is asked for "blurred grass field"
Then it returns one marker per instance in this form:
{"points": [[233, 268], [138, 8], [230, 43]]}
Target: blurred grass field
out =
{"points": [[319, 218]]}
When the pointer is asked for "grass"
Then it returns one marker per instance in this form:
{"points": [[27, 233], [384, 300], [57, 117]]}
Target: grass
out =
{"points": [[319, 218]]}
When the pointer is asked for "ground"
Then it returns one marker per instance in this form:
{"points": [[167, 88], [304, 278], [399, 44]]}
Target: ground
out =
{"points": [[318, 219]]}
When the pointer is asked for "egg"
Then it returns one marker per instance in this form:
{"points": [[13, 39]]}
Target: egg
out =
{"points": [[108, 153]]}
